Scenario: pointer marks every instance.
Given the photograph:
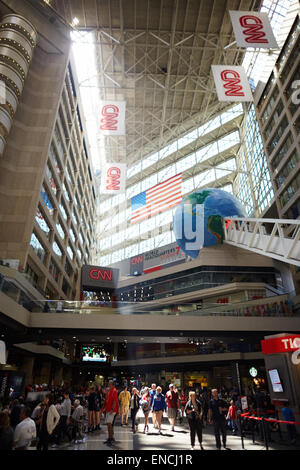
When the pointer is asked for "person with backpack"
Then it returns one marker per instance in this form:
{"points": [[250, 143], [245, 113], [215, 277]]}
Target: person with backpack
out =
{"points": [[158, 407], [145, 404]]}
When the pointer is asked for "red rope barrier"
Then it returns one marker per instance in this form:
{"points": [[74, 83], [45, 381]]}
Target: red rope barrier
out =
{"points": [[271, 420]]}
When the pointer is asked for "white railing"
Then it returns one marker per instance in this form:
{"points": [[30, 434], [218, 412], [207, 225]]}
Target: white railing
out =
{"points": [[275, 238]]}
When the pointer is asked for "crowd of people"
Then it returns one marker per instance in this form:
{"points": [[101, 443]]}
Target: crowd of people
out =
{"points": [[62, 417]]}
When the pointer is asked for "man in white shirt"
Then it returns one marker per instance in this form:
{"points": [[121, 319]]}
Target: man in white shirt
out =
{"points": [[25, 431], [77, 420]]}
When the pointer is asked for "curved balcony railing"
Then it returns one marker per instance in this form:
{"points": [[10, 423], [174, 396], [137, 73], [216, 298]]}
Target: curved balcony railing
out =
{"points": [[18, 39], [275, 306]]}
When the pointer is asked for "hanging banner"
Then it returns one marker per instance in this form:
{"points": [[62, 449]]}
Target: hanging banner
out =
{"points": [[112, 117], [113, 178], [231, 83], [252, 29]]}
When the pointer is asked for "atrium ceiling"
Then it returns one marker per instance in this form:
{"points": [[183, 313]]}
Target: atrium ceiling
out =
{"points": [[157, 56]]}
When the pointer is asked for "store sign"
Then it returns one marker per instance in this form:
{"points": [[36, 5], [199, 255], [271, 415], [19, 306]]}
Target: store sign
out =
{"points": [[163, 256], [104, 274], [112, 117], [136, 265], [98, 276], [244, 403], [252, 29], [253, 372], [284, 344], [113, 178], [231, 83]]}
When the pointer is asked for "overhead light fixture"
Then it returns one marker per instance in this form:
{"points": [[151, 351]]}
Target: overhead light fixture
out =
{"points": [[75, 21]]}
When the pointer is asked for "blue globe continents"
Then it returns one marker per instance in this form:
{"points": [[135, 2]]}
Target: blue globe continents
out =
{"points": [[197, 221]]}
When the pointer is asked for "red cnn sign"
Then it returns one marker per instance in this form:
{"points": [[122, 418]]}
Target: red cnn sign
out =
{"points": [[253, 27], [112, 117], [137, 259], [109, 120], [232, 83], [284, 344], [113, 178], [104, 274]]}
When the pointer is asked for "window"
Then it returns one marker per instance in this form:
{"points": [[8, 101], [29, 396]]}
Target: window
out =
{"points": [[42, 222], [66, 193], [65, 287], [72, 234], [37, 247], [57, 165], [279, 132], [60, 231], [284, 148], [290, 191], [47, 200], [289, 166], [63, 210], [70, 252], [68, 268], [56, 248], [54, 270], [75, 218], [274, 119], [270, 106], [59, 143]]}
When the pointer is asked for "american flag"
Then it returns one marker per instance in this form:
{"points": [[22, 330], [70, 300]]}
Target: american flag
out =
{"points": [[157, 199]]}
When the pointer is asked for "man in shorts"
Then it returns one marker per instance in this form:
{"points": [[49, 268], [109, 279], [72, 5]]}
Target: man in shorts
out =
{"points": [[172, 399], [111, 408]]}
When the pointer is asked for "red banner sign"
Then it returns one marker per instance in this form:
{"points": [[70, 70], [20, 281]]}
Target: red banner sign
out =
{"points": [[231, 83], [252, 29], [283, 344], [112, 117], [113, 178], [104, 274]]}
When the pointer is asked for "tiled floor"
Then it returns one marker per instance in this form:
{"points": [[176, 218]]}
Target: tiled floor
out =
{"points": [[178, 440]]}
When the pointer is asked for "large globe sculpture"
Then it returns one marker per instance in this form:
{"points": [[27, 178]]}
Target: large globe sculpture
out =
{"points": [[198, 219]]}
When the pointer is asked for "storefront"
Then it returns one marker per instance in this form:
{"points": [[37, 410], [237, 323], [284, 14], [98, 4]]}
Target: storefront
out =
{"points": [[196, 379]]}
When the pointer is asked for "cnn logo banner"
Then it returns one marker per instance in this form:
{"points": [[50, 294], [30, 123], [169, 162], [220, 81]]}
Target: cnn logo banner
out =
{"points": [[113, 178], [231, 83], [112, 117], [252, 29]]}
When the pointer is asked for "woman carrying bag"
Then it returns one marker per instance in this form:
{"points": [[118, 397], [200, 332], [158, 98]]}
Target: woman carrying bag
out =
{"points": [[193, 410], [49, 421]]}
